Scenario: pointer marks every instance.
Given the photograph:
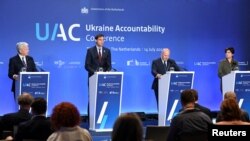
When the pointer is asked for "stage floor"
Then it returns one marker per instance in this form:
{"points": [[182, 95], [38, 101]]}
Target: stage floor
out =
{"points": [[106, 136]]}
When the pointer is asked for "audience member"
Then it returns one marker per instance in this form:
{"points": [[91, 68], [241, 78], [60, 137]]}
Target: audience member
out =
{"points": [[65, 120], [231, 113], [38, 128], [189, 122], [128, 127], [243, 114], [198, 106], [8, 121]]}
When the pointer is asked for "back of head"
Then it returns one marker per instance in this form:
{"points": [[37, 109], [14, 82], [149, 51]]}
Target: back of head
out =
{"points": [[25, 99], [65, 114], [187, 97], [39, 106], [195, 94], [128, 127], [230, 110], [230, 95]]}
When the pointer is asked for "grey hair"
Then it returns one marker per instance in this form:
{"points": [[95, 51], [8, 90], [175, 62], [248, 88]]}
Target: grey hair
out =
{"points": [[165, 49], [19, 45]]}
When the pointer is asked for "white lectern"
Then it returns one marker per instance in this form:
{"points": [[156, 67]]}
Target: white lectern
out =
{"points": [[170, 86], [34, 83], [105, 97], [239, 82]]}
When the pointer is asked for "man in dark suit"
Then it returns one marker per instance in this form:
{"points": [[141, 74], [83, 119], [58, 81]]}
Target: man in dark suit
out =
{"points": [[160, 66], [98, 58], [8, 121], [20, 62], [203, 109], [191, 122], [38, 128]]}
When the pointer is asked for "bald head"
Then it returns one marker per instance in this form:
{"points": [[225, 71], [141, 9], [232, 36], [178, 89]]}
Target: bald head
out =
{"points": [[165, 54], [230, 95]]}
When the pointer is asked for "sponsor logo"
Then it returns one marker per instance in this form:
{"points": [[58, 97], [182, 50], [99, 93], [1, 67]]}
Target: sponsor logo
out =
{"points": [[59, 63], [135, 62], [26, 84], [39, 93], [84, 10], [113, 92], [243, 63], [200, 63]]}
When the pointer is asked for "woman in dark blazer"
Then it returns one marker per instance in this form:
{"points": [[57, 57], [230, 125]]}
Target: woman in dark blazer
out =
{"points": [[228, 64]]}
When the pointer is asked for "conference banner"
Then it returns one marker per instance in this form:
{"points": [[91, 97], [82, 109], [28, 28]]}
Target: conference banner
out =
{"points": [[59, 32]]}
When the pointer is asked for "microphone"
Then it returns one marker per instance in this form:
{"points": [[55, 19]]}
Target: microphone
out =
{"points": [[113, 69], [40, 69], [235, 67], [184, 69]]}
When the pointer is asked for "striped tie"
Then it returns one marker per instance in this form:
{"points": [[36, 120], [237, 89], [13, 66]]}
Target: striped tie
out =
{"points": [[24, 63]]}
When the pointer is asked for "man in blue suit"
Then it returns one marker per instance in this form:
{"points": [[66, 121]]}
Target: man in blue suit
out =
{"points": [[98, 57], [160, 66], [21, 62]]}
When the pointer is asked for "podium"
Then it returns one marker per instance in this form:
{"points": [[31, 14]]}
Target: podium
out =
{"points": [[170, 86], [239, 82], [105, 96], [34, 83]]}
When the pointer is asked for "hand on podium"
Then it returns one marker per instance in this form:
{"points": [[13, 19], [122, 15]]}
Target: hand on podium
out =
{"points": [[15, 77], [158, 76]]}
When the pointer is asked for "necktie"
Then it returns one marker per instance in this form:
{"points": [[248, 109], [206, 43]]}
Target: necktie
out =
{"points": [[24, 62], [99, 56], [165, 66]]}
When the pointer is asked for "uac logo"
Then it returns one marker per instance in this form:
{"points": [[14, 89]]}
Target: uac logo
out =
{"points": [[51, 32]]}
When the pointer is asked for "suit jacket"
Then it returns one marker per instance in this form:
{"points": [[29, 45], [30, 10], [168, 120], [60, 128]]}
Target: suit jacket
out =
{"points": [[92, 64], [225, 67], [38, 128], [191, 122], [202, 109], [15, 66], [12, 119], [158, 68]]}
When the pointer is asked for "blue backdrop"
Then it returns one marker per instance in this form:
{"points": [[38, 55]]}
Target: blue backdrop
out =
{"points": [[60, 31]]}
